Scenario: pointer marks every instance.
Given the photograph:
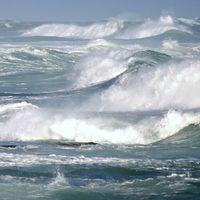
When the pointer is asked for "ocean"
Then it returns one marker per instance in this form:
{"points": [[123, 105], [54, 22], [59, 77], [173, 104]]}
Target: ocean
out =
{"points": [[100, 110]]}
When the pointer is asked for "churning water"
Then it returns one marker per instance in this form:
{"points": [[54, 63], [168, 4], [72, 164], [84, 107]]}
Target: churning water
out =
{"points": [[102, 110]]}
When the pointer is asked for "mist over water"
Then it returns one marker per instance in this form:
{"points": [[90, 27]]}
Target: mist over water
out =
{"points": [[131, 86]]}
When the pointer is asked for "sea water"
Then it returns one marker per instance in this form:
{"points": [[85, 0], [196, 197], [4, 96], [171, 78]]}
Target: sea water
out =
{"points": [[100, 110]]}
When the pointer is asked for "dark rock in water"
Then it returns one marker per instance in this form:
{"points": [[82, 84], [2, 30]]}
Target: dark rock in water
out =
{"points": [[75, 144], [8, 146]]}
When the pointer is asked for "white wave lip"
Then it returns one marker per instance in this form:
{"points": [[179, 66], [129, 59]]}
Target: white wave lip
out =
{"points": [[96, 30]]}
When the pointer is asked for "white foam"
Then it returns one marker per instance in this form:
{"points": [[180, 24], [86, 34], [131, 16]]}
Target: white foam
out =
{"points": [[82, 131], [9, 159], [15, 107], [96, 30], [172, 47], [34, 51], [104, 62], [152, 28], [170, 44], [174, 121], [100, 65], [100, 43], [33, 124], [146, 131], [28, 123], [189, 21], [113, 27], [59, 180], [165, 87]]}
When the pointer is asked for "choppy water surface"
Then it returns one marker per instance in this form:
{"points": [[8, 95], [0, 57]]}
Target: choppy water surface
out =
{"points": [[129, 86]]}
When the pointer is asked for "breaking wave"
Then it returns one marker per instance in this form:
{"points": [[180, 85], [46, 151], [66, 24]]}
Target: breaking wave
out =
{"points": [[30, 123], [99, 30], [152, 28], [118, 28], [15, 107], [164, 87]]}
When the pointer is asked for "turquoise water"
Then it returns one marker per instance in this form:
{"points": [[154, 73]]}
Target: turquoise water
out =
{"points": [[100, 110]]}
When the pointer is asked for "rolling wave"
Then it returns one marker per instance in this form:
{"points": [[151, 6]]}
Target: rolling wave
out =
{"points": [[29, 122], [99, 30], [150, 28], [164, 87], [114, 28]]}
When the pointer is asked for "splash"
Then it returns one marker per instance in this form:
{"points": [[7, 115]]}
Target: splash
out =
{"points": [[164, 87], [100, 66], [122, 28], [96, 30], [150, 28], [34, 124]]}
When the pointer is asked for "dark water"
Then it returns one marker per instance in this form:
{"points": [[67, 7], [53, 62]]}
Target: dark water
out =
{"points": [[105, 110]]}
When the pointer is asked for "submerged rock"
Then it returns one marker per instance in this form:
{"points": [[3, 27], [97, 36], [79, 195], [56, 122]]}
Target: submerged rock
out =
{"points": [[75, 144]]}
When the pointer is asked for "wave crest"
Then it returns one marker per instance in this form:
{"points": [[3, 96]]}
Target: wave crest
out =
{"points": [[34, 124], [96, 30], [164, 87], [116, 28]]}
